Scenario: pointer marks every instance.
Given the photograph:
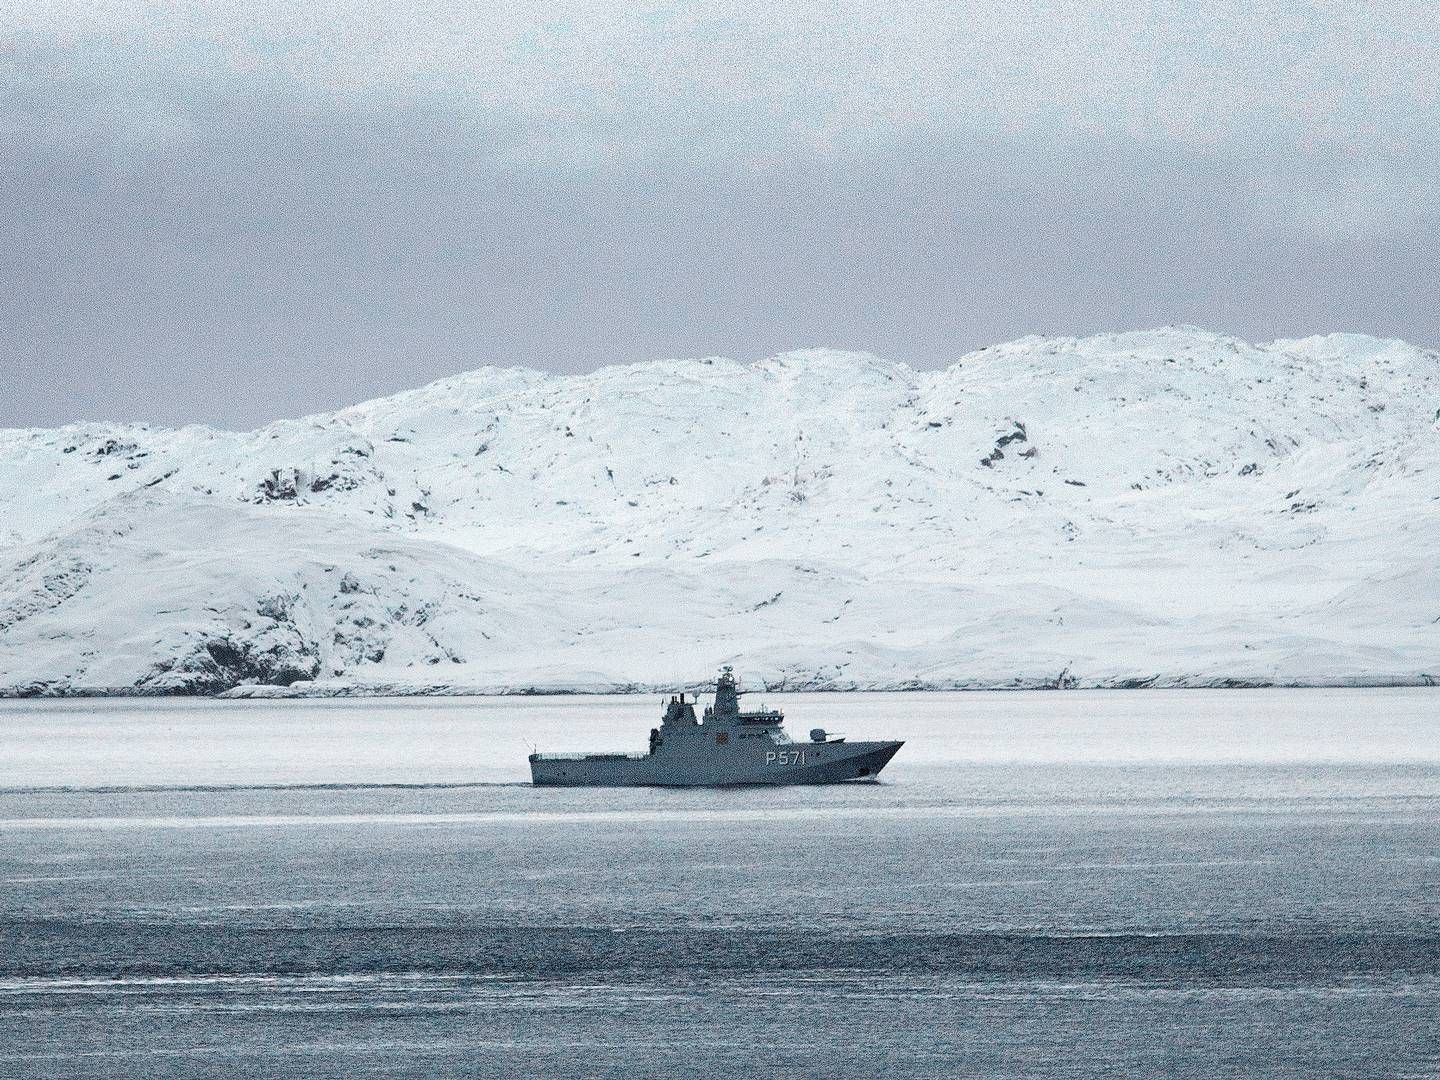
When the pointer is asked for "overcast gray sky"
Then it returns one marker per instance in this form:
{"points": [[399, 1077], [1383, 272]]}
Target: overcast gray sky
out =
{"points": [[228, 213]]}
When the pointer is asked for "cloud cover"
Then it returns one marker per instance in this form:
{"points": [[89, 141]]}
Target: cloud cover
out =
{"points": [[230, 213]]}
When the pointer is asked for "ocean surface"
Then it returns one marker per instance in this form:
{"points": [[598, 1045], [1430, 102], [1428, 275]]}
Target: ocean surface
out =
{"points": [[1064, 884]]}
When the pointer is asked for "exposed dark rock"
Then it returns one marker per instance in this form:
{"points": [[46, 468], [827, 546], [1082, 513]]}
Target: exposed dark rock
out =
{"points": [[334, 480], [998, 454], [281, 485], [1018, 435], [276, 607], [222, 662], [113, 446]]}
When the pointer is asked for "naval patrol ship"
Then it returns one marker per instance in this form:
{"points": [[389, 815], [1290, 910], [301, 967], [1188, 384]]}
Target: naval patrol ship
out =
{"points": [[726, 747]]}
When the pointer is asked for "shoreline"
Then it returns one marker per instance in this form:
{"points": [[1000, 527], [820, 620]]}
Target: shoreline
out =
{"points": [[265, 692]]}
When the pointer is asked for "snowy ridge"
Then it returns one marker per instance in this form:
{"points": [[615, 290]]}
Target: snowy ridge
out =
{"points": [[1170, 507]]}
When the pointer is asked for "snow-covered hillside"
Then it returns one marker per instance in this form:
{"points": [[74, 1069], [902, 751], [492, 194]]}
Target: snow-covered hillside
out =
{"points": [[1171, 506]]}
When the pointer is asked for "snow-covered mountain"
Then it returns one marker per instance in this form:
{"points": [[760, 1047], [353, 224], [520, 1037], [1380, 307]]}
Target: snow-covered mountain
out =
{"points": [[1171, 506]]}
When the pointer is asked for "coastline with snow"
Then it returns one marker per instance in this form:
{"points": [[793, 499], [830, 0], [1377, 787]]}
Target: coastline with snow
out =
{"points": [[1165, 508], [1018, 684]]}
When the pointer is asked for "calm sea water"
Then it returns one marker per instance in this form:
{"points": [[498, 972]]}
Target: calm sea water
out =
{"points": [[1198, 884]]}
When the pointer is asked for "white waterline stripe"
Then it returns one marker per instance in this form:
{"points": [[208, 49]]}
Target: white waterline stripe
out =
{"points": [[1346, 807]]}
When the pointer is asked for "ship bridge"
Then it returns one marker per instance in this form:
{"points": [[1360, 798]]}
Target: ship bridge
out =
{"points": [[726, 710]]}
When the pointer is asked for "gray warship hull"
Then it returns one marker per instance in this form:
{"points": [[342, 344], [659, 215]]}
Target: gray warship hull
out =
{"points": [[797, 763], [728, 747]]}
